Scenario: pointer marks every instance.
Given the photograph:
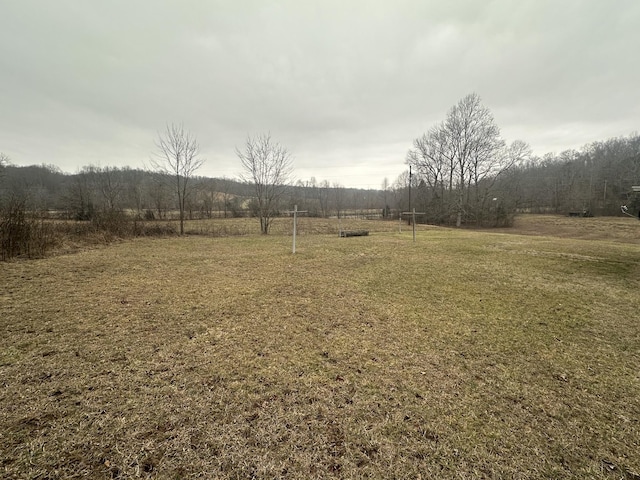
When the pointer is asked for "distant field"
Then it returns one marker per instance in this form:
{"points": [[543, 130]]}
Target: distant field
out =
{"points": [[464, 355]]}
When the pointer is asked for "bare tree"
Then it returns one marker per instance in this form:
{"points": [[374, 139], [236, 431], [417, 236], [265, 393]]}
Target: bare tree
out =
{"points": [[323, 197], [433, 158], [267, 165], [460, 159], [225, 197], [177, 158], [159, 194], [400, 191], [338, 198], [385, 186], [110, 184], [81, 195], [134, 196], [475, 144], [4, 161]]}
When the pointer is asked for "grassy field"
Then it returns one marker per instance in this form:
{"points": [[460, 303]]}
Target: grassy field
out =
{"points": [[464, 355]]}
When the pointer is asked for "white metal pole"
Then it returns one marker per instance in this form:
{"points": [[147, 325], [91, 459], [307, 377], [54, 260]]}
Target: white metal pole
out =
{"points": [[295, 221], [413, 220]]}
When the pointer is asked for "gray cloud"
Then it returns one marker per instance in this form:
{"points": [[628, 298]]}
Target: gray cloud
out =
{"points": [[345, 86]]}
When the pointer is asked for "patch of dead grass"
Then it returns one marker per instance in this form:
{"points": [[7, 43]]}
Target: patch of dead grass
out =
{"points": [[615, 229]]}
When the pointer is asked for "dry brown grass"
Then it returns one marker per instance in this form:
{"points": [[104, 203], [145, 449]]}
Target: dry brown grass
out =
{"points": [[284, 225], [464, 355], [616, 229]]}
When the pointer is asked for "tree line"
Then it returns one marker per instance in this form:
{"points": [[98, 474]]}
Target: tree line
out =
{"points": [[465, 173], [95, 194], [149, 195], [460, 172]]}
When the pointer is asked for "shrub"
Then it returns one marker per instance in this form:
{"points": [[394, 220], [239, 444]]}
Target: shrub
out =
{"points": [[22, 233]]}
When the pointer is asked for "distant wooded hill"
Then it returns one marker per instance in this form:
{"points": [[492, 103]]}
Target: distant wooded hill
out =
{"points": [[595, 180]]}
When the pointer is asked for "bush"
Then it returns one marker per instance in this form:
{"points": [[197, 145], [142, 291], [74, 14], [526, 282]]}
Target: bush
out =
{"points": [[114, 223], [22, 233], [158, 230]]}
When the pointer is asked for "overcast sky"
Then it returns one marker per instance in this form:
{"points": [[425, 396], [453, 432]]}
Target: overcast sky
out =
{"points": [[344, 85]]}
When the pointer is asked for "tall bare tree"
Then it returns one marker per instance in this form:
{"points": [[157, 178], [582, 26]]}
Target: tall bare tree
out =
{"points": [[268, 166], [432, 155], [177, 157], [476, 144], [460, 160]]}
